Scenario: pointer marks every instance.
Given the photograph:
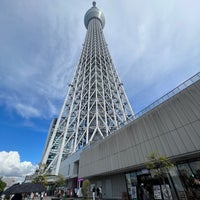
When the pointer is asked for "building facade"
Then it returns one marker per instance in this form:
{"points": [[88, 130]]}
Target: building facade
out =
{"points": [[171, 128]]}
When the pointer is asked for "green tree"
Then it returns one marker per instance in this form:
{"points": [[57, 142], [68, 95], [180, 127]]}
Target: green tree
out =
{"points": [[60, 180], [41, 169], [159, 166], [85, 188], [2, 185], [41, 179]]}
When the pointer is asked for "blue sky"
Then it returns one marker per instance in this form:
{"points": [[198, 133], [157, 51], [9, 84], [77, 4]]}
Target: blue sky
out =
{"points": [[155, 46]]}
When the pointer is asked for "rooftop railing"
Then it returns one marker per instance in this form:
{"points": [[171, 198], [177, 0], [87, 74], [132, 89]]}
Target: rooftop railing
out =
{"points": [[167, 96]]}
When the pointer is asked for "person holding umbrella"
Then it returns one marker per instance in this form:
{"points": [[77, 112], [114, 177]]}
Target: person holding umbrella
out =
{"points": [[17, 196], [32, 196]]}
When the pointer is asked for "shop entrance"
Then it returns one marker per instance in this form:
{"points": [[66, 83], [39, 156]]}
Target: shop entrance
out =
{"points": [[153, 188], [145, 190]]}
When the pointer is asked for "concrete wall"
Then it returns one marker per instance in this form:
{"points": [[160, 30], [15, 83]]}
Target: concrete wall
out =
{"points": [[69, 167], [112, 186], [172, 129]]}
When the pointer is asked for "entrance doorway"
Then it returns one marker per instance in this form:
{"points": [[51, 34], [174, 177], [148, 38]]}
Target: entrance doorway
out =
{"points": [[145, 189], [153, 188], [142, 186]]}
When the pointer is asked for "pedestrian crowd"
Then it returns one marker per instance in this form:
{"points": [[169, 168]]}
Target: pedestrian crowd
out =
{"points": [[24, 196], [97, 192]]}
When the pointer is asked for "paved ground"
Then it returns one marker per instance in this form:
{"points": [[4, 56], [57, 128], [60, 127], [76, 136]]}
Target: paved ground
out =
{"points": [[69, 198], [56, 198]]}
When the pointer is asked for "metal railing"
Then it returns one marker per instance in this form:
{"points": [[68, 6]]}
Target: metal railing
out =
{"points": [[167, 96]]}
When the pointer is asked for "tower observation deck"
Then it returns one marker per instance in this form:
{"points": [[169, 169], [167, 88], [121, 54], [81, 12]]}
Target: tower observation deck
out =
{"points": [[95, 105]]}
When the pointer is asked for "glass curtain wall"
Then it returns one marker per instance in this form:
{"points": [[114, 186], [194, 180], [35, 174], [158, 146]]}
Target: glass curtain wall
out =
{"points": [[181, 183], [190, 177]]}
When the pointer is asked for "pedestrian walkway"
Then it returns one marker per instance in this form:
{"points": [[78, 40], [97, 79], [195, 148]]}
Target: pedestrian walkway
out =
{"points": [[68, 198]]}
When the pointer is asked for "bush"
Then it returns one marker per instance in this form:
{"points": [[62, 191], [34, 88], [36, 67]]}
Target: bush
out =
{"points": [[85, 188]]}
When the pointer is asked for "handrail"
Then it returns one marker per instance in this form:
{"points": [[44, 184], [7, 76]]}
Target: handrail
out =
{"points": [[164, 98], [170, 94]]}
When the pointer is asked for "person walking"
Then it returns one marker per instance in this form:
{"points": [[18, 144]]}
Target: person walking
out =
{"points": [[79, 193], [32, 196], [17, 196], [100, 192], [41, 195], [145, 193], [93, 193]]}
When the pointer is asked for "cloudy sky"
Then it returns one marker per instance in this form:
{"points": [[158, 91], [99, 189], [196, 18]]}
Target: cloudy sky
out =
{"points": [[155, 46]]}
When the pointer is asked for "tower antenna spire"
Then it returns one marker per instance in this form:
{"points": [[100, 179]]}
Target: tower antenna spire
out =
{"points": [[94, 3]]}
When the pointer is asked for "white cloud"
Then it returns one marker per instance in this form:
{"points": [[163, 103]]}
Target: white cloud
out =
{"points": [[11, 166], [148, 41], [155, 45], [27, 111]]}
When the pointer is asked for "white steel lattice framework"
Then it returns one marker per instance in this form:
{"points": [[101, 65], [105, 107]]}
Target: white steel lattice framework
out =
{"points": [[96, 104]]}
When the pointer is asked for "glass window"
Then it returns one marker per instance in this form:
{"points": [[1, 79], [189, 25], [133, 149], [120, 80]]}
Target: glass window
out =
{"points": [[133, 177], [179, 189], [131, 181], [189, 175], [186, 174], [195, 166]]}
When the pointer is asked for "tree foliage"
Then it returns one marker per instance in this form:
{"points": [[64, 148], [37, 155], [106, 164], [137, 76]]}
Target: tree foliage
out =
{"points": [[60, 181], [40, 179], [40, 170], [2, 185], [157, 164], [85, 188]]}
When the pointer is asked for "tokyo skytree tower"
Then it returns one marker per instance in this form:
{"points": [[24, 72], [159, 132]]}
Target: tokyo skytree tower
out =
{"points": [[96, 104]]}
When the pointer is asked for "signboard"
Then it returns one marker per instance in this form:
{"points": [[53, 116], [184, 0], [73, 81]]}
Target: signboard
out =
{"points": [[133, 192], [157, 192], [145, 171], [167, 195]]}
